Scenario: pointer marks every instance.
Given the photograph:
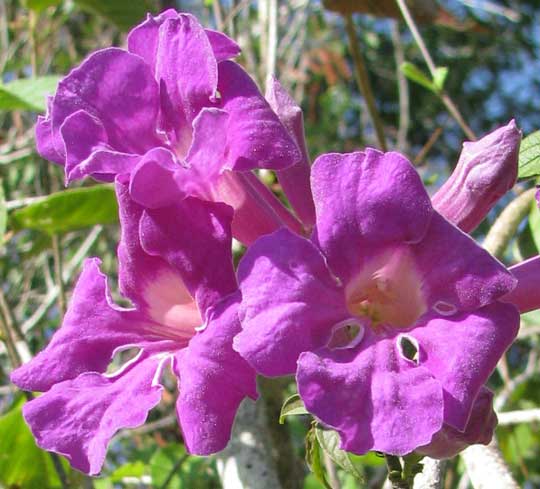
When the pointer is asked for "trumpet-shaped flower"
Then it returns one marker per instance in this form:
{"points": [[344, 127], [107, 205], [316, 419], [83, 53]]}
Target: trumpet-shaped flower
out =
{"points": [[388, 315], [178, 116], [175, 266]]}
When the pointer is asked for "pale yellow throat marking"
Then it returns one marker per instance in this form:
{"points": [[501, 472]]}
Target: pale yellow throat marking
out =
{"points": [[388, 290]]}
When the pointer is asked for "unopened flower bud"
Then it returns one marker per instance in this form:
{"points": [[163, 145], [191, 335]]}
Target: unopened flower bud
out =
{"points": [[295, 179], [485, 171], [448, 442]]}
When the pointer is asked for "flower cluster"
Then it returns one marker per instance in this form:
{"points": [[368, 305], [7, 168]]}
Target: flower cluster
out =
{"points": [[388, 314]]}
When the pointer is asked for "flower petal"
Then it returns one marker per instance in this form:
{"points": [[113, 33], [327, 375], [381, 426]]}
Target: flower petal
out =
{"points": [[88, 151], [223, 46], [48, 146], [365, 201], [290, 302], [152, 284], [186, 69], [257, 138], [214, 380], [194, 237], [119, 90], [77, 418], [92, 330], [457, 273], [462, 352], [153, 183], [374, 398]]}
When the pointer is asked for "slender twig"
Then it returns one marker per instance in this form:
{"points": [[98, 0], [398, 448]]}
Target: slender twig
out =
{"points": [[362, 79], [218, 14], [420, 157], [272, 39], [174, 470], [403, 90], [506, 225], [516, 417], [445, 98], [58, 275]]}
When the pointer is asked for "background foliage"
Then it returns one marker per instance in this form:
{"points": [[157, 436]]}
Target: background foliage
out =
{"points": [[489, 55]]}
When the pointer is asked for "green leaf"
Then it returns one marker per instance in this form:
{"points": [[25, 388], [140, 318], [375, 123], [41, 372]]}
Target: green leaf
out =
{"points": [[440, 77], [133, 469], [329, 441], [40, 5], [123, 13], [27, 93], [313, 456], [413, 73], [68, 210], [22, 463], [293, 406], [529, 156]]}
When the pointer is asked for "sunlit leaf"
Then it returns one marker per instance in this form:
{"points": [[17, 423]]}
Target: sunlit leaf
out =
{"points": [[440, 77], [329, 441], [68, 210], [413, 73], [529, 156], [293, 406], [22, 463], [313, 456], [40, 5], [27, 93]]}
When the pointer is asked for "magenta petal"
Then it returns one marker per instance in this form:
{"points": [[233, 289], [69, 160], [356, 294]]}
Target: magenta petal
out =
{"points": [[46, 143], [526, 295], [253, 214], [295, 180], [457, 273], [144, 38], [290, 302], [77, 418], [448, 442], [187, 71], [207, 154], [118, 89], [153, 182], [223, 46], [365, 201], [148, 281], [257, 138], [92, 330], [374, 398], [194, 237], [214, 379], [463, 351]]}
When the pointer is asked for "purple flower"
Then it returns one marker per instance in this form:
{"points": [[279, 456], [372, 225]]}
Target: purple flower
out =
{"points": [[486, 170], [175, 266], [178, 116], [388, 315]]}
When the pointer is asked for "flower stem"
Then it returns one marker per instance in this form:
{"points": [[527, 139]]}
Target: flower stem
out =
{"points": [[362, 78]]}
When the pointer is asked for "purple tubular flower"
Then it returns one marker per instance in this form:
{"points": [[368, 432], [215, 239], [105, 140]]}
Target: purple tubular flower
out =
{"points": [[448, 442], [485, 171], [293, 180], [176, 268], [388, 315], [526, 295], [172, 108]]}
